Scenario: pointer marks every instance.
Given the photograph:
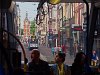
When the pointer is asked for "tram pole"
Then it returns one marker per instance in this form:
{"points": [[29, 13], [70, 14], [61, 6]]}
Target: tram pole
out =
{"points": [[88, 50]]}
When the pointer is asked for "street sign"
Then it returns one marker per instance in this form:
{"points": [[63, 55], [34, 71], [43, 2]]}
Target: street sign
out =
{"points": [[77, 28], [62, 28]]}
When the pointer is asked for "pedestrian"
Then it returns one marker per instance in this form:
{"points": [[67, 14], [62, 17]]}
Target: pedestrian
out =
{"points": [[59, 48], [38, 66], [53, 50], [59, 68], [63, 48], [80, 65], [94, 59]]}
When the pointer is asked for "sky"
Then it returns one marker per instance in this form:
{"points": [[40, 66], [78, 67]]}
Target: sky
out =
{"points": [[30, 8]]}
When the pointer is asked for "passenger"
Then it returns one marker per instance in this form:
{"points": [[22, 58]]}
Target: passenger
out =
{"points": [[80, 65], [94, 58], [18, 71], [59, 68], [38, 66]]}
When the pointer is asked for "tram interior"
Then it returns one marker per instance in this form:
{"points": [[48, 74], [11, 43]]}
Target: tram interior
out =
{"points": [[11, 58]]}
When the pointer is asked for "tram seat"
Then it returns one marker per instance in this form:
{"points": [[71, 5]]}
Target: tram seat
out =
{"points": [[1, 70]]}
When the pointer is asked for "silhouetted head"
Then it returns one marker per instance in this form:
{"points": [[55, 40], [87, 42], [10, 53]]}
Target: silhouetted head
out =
{"points": [[60, 57], [35, 55], [80, 57]]}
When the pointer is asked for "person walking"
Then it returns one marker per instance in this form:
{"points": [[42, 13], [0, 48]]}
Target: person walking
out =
{"points": [[53, 50], [59, 68], [38, 66], [64, 48]]}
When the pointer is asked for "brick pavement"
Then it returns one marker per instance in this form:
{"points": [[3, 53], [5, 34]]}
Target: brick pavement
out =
{"points": [[45, 51], [47, 55]]}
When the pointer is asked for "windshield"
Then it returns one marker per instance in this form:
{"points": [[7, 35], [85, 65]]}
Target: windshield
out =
{"points": [[66, 34], [61, 27]]}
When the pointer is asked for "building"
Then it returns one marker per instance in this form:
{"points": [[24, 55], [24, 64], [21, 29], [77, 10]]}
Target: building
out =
{"points": [[61, 19], [18, 33], [47, 29], [53, 28], [26, 30], [42, 28]]}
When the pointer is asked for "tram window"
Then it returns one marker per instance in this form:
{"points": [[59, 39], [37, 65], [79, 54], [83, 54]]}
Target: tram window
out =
{"points": [[52, 32]]}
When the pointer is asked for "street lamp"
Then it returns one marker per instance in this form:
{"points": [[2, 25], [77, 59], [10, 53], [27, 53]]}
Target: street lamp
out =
{"points": [[61, 26], [61, 30]]}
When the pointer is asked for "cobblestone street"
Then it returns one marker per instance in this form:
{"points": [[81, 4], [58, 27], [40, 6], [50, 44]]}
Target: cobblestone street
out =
{"points": [[46, 54]]}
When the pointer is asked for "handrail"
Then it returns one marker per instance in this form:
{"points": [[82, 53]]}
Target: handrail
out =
{"points": [[87, 28], [19, 43], [3, 50]]}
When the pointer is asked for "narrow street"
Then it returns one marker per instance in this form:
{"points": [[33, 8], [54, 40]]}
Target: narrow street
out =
{"points": [[46, 54]]}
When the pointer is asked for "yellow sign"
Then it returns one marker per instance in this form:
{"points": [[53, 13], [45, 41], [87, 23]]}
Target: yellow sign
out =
{"points": [[54, 1]]}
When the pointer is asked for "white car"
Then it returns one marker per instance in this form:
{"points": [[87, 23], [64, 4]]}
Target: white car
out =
{"points": [[33, 46]]}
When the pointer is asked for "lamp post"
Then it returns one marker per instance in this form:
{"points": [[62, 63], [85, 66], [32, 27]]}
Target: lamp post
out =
{"points": [[61, 26], [61, 29], [62, 23]]}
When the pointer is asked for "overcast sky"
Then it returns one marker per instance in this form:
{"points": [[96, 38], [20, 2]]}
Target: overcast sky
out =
{"points": [[30, 8]]}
